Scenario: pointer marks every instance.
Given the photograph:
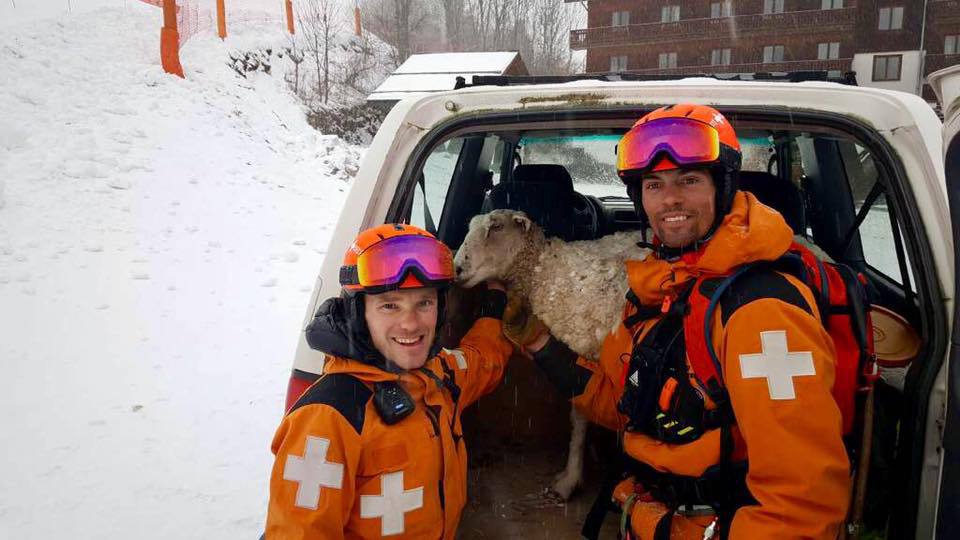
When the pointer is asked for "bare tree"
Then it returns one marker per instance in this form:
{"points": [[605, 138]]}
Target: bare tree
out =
{"points": [[501, 23], [295, 54], [453, 15], [538, 29], [497, 24], [478, 15], [397, 22], [359, 69], [320, 22], [550, 29]]}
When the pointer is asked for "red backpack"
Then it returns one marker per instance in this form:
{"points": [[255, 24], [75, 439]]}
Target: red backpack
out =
{"points": [[844, 311]]}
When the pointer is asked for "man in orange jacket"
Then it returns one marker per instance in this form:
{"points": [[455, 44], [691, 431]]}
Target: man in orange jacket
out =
{"points": [[375, 448], [755, 452]]}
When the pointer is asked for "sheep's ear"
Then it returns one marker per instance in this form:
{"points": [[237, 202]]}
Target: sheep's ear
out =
{"points": [[523, 221], [490, 227]]}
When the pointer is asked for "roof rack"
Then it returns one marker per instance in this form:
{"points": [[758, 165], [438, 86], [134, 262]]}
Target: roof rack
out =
{"points": [[836, 76]]}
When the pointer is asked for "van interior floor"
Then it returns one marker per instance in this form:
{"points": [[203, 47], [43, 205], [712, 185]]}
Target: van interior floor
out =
{"points": [[507, 496], [517, 440]]}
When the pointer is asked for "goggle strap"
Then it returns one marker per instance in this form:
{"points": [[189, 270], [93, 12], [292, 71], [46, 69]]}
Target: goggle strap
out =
{"points": [[349, 276]]}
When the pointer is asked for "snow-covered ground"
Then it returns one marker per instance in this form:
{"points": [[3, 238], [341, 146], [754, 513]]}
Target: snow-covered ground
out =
{"points": [[159, 239]]}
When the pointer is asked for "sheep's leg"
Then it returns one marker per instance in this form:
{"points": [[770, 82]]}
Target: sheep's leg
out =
{"points": [[570, 478]]}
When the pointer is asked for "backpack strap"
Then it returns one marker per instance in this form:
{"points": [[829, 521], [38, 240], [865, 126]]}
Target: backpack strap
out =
{"points": [[765, 282], [703, 359], [346, 393], [858, 310], [641, 313], [450, 381]]}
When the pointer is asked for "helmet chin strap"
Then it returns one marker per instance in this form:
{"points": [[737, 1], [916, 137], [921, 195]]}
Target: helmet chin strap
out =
{"points": [[671, 253]]}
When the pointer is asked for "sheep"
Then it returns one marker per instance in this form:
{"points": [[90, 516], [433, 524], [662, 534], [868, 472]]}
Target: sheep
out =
{"points": [[559, 279]]}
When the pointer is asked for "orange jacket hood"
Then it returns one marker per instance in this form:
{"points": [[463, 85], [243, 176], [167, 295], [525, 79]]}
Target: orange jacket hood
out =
{"points": [[360, 370], [414, 381], [750, 232]]}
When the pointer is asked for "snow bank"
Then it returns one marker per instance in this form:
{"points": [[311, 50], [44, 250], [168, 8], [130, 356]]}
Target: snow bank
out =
{"points": [[159, 239]]}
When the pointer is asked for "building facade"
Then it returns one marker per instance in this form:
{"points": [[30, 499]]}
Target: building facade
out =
{"points": [[879, 39]]}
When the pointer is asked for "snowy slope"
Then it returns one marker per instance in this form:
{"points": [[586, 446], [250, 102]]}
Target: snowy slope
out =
{"points": [[158, 241]]}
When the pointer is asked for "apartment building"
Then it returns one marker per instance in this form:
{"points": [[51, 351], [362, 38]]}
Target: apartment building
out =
{"points": [[879, 39]]}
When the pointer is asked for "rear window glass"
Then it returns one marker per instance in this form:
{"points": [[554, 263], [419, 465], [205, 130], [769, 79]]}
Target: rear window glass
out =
{"points": [[819, 181], [591, 159]]}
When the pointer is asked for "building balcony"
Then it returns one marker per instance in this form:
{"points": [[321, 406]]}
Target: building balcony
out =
{"points": [[936, 62], [943, 11], [777, 24], [840, 64]]}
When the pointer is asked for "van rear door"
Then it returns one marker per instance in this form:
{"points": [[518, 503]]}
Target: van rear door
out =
{"points": [[947, 85]]}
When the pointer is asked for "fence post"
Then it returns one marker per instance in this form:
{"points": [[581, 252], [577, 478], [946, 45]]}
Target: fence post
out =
{"points": [[356, 18], [221, 20], [289, 7], [170, 40]]}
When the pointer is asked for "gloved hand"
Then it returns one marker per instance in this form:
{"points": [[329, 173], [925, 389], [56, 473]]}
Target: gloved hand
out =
{"points": [[520, 325]]}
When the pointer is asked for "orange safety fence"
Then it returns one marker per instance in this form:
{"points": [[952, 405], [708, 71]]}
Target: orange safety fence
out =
{"points": [[191, 19]]}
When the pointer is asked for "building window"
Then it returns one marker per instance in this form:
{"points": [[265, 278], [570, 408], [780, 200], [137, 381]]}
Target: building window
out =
{"points": [[621, 18], [618, 63], [772, 6], [828, 51], [721, 9], [951, 45], [887, 67], [772, 53], [668, 60], [831, 4], [670, 14], [720, 57], [891, 18]]}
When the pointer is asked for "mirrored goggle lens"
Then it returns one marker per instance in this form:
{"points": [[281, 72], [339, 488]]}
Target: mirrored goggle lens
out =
{"points": [[688, 142], [387, 262]]}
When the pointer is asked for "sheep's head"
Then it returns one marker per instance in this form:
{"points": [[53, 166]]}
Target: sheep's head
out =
{"points": [[492, 245]]}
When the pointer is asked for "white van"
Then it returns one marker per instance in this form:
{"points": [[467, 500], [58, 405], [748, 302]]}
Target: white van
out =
{"points": [[859, 172]]}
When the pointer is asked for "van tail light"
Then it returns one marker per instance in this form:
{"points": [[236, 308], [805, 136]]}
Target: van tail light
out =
{"points": [[299, 382]]}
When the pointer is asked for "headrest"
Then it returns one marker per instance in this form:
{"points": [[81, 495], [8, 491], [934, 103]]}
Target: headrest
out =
{"points": [[544, 192], [544, 174], [777, 193]]}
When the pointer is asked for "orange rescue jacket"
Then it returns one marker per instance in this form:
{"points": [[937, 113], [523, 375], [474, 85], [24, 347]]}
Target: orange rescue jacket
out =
{"points": [[341, 472], [778, 368]]}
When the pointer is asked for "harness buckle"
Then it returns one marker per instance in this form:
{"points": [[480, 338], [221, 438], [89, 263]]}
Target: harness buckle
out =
{"points": [[711, 531]]}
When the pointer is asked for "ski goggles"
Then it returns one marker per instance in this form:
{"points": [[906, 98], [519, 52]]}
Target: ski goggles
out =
{"points": [[685, 141], [389, 263]]}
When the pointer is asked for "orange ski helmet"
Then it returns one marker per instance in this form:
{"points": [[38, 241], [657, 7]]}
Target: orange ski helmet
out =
{"points": [[681, 136], [386, 258], [395, 256]]}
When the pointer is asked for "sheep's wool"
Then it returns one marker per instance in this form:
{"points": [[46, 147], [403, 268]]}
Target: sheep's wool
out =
{"points": [[576, 288]]}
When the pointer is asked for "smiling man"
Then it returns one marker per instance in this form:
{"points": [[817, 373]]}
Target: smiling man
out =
{"points": [[679, 204], [729, 421], [375, 448]]}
